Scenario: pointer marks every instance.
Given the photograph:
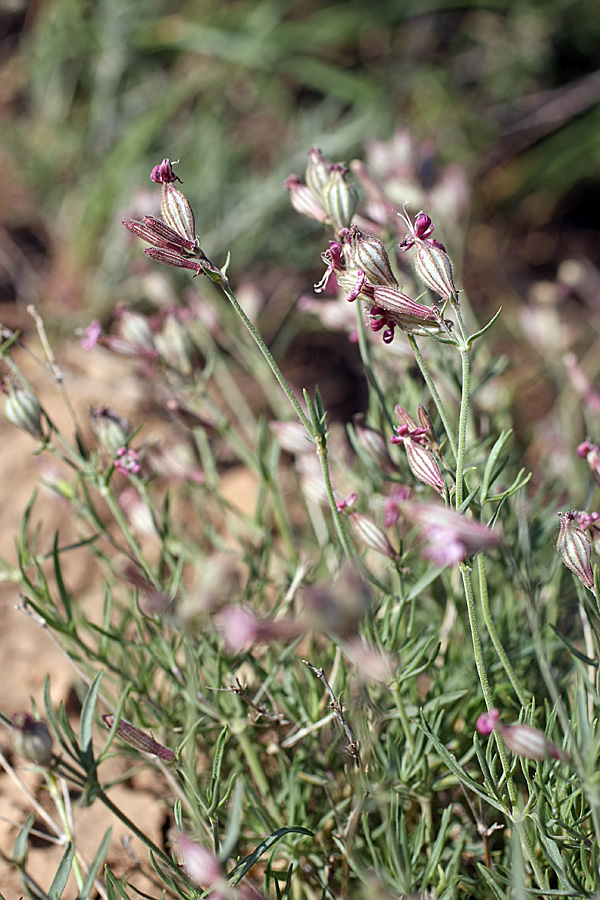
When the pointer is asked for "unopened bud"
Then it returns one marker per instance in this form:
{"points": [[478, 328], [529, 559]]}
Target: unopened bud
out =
{"points": [[31, 739], [111, 429], [367, 252], [317, 172], [575, 549], [421, 460], [340, 197], [304, 201], [23, 410], [137, 738], [371, 535], [527, 741], [433, 266], [177, 212]]}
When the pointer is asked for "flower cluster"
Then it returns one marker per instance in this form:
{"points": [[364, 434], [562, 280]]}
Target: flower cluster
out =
{"points": [[359, 261]]}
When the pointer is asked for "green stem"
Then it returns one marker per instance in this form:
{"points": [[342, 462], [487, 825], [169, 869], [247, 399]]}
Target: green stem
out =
{"points": [[489, 624], [224, 284], [462, 424], [337, 519], [434, 394], [487, 696]]}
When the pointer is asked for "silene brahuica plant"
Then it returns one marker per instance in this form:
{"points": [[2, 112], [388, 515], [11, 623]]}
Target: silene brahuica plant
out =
{"points": [[379, 681]]}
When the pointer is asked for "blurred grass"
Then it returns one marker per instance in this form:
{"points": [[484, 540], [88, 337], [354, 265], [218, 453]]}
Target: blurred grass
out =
{"points": [[94, 94]]}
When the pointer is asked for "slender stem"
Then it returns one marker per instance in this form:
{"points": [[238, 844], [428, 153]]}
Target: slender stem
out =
{"points": [[489, 624], [224, 284], [462, 424], [427, 377], [337, 519], [487, 696]]}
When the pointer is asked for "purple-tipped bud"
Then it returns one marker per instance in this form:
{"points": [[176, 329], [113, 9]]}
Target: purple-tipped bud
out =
{"points": [[163, 173], [421, 460], [177, 212], [31, 739], [520, 739], [304, 201], [111, 429], [137, 738], [408, 314], [371, 535], [339, 197], [135, 329], [367, 252], [317, 173], [575, 549], [23, 410], [432, 263]]}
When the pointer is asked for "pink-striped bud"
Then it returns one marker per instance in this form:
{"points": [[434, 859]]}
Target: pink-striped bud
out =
{"points": [[432, 263], [304, 201], [137, 738], [520, 739], [591, 453], [433, 267], [421, 460], [169, 258], [317, 173], [339, 197], [371, 535], [177, 212], [366, 252], [575, 549]]}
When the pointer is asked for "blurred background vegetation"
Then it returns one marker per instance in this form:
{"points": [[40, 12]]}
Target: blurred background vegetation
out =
{"points": [[93, 93]]}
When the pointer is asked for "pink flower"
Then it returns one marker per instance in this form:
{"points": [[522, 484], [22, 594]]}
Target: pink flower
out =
{"points": [[127, 461], [200, 863], [449, 536], [523, 740], [91, 335], [163, 173]]}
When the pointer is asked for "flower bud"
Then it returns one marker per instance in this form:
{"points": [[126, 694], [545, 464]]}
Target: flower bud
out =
{"points": [[371, 535], [575, 548], [367, 252], [23, 410], [527, 741], [304, 201], [177, 212], [111, 429], [317, 173], [137, 738], [339, 197], [199, 863], [433, 266], [31, 739], [421, 460]]}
